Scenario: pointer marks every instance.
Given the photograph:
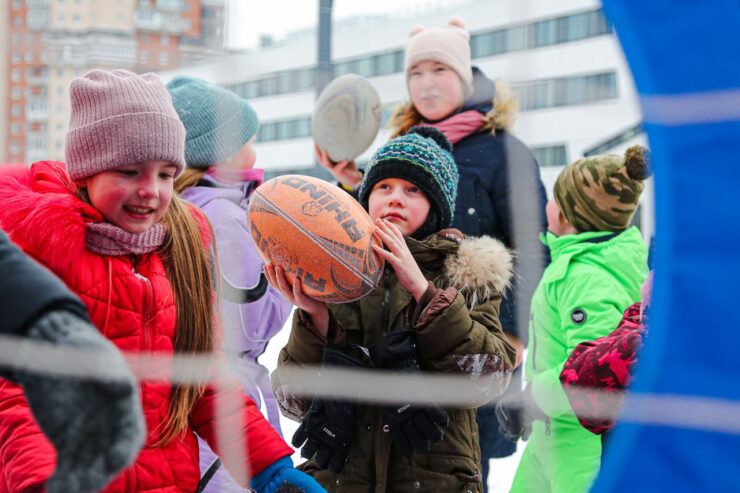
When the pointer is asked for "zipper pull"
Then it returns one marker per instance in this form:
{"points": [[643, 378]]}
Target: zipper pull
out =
{"points": [[547, 426], [136, 273]]}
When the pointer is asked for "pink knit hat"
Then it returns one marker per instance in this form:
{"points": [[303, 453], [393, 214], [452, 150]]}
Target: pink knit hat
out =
{"points": [[449, 45], [119, 118]]}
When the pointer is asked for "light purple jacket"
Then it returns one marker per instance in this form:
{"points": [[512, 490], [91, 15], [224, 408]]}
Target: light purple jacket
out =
{"points": [[249, 326]]}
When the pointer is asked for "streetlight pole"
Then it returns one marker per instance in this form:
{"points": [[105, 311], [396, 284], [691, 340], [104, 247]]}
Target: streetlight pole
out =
{"points": [[324, 68]]}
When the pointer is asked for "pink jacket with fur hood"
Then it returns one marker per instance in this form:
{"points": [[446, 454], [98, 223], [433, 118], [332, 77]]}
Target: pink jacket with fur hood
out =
{"points": [[131, 302]]}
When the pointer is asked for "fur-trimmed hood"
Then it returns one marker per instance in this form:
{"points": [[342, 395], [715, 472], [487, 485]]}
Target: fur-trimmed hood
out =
{"points": [[479, 268], [42, 213], [496, 100]]}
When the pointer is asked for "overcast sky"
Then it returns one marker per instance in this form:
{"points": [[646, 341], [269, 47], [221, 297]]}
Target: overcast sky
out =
{"points": [[249, 18]]}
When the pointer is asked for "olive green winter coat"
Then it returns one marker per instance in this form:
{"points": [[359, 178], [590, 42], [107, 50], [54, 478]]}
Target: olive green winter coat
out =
{"points": [[457, 332]]}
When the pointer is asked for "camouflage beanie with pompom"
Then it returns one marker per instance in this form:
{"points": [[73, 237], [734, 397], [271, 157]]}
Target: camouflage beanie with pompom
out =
{"points": [[601, 193]]}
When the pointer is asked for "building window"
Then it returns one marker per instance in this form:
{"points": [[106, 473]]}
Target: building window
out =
{"points": [[366, 67], [546, 32], [17, 20], [344, 68], [268, 87], [266, 133], [554, 155], [15, 128], [489, 44], [517, 38], [15, 110], [305, 78], [16, 93], [15, 74], [567, 91], [164, 58], [17, 4], [164, 40], [303, 127], [144, 56]]}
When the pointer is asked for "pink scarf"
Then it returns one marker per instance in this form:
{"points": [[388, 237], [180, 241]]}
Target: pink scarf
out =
{"points": [[460, 125], [239, 175], [108, 239]]}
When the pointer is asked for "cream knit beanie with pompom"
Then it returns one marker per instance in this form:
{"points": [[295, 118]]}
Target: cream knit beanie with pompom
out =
{"points": [[449, 45]]}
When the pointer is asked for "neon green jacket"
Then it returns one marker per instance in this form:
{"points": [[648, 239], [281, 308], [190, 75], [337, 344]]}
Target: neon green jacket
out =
{"points": [[592, 278]]}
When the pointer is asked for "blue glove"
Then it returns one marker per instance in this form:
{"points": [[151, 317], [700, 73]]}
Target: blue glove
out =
{"points": [[282, 477]]}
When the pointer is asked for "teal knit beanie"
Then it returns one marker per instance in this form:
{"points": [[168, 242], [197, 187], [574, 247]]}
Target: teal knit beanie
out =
{"points": [[217, 121], [424, 157]]}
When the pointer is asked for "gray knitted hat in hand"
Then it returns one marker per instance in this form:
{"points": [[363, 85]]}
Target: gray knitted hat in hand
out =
{"points": [[217, 121], [120, 118]]}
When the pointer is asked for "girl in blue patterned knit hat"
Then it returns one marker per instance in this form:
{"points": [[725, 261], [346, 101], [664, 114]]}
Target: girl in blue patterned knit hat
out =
{"points": [[435, 310]]}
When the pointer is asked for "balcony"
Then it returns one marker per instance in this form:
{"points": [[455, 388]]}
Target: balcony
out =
{"points": [[38, 76], [37, 19], [169, 5], [34, 155], [153, 20], [37, 110]]}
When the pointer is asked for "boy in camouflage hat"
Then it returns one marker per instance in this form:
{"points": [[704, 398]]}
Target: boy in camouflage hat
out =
{"points": [[598, 265]]}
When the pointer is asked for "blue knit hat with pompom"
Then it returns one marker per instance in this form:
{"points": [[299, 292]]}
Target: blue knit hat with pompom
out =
{"points": [[422, 156]]}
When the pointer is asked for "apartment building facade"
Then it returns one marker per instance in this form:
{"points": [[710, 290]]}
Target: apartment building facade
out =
{"points": [[49, 42]]}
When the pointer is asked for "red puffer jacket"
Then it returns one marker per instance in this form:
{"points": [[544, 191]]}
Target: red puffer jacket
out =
{"points": [[133, 304]]}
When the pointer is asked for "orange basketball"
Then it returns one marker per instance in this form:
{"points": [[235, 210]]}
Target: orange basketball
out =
{"points": [[316, 232]]}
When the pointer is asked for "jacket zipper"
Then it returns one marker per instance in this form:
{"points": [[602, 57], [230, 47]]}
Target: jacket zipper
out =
{"points": [[146, 303], [534, 341], [385, 308]]}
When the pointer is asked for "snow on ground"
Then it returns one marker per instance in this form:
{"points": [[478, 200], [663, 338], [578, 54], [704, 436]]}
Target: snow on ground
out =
{"points": [[502, 470]]}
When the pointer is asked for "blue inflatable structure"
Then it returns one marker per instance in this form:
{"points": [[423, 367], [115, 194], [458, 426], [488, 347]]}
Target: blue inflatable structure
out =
{"points": [[684, 58]]}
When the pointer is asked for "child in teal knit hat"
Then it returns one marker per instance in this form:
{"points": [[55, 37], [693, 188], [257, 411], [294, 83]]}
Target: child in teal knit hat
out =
{"points": [[220, 178], [435, 310]]}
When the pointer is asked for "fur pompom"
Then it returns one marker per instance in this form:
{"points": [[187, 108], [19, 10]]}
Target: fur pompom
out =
{"points": [[458, 22], [481, 269], [434, 134], [637, 162], [416, 30]]}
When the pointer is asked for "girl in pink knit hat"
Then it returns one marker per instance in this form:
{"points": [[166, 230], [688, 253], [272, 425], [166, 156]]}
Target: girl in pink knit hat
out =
{"points": [[109, 225]]}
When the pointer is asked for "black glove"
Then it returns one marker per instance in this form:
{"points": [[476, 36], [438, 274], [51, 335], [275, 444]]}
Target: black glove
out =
{"points": [[96, 426], [329, 424], [515, 412], [413, 427]]}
